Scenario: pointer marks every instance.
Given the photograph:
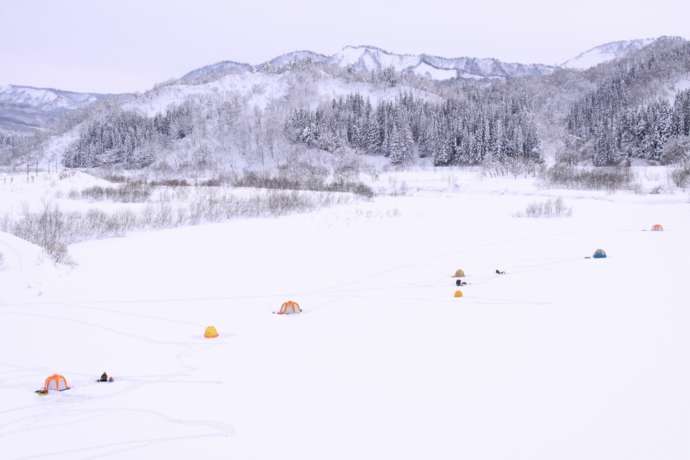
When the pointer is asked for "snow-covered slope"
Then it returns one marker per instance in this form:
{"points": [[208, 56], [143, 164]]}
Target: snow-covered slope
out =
{"points": [[429, 71], [252, 88], [606, 52], [370, 58], [295, 57], [25, 108], [215, 71], [258, 89]]}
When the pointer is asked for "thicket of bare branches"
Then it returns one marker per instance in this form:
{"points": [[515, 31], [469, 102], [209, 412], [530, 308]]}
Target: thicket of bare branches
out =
{"points": [[54, 229], [547, 208]]}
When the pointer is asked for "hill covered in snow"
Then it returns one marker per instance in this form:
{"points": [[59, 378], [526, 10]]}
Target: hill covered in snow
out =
{"points": [[369, 58], [365, 100], [25, 108], [606, 52]]}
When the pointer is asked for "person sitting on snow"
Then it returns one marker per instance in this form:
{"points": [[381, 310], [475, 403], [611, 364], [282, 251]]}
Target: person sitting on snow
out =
{"points": [[105, 378], [500, 272]]}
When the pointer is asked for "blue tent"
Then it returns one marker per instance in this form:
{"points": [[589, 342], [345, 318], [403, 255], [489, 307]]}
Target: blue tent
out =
{"points": [[599, 254]]}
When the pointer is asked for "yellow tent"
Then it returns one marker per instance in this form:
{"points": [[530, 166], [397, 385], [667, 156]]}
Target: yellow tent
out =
{"points": [[458, 293], [211, 332]]}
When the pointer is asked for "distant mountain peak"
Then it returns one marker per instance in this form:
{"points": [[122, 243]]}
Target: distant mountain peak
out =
{"points": [[292, 58], [215, 71], [370, 58], [607, 52], [25, 108]]}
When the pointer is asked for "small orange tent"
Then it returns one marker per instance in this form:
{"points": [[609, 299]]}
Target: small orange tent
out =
{"points": [[289, 308], [211, 332], [55, 382], [657, 228], [458, 294]]}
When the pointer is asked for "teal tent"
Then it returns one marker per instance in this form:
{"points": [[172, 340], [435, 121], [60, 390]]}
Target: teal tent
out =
{"points": [[599, 254]]}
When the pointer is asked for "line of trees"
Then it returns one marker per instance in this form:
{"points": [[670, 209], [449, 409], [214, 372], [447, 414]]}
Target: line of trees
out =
{"points": [[125, 138], [480, 128], [641, 132]]}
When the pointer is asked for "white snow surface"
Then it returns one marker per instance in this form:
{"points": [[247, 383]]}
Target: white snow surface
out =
{"points": [[564, 357]]}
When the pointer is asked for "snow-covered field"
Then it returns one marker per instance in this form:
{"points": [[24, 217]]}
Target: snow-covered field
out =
{"points": [[561, 358]]}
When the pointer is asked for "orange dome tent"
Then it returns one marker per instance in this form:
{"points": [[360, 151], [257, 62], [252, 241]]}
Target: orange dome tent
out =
{"points": [[289, 308], [55, 382], [458, 294], [657, 228], [211, 332]]}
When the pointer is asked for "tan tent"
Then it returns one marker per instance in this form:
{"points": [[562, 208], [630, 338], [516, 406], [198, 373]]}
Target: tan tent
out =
{"points": [[459, 273]]}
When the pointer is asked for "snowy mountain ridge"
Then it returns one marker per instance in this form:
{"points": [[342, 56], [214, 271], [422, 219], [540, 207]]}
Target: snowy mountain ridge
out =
{"points": [[366, 58], [293, 57], [215, 71], [25, 108], [44, 98], [606, 52], [371, 58]]}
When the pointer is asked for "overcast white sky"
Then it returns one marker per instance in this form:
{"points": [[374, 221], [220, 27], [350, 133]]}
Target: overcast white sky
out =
{"points": [[129, 45]]}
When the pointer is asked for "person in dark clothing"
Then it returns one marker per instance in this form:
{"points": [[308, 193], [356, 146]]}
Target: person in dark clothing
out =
{"points": [[500, 272], [460, 283], [105, 378]]}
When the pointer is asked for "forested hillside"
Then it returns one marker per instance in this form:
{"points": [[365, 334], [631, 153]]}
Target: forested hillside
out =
{"points": [[485, 126], [229, 115], [630, 115]]}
